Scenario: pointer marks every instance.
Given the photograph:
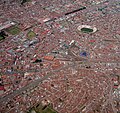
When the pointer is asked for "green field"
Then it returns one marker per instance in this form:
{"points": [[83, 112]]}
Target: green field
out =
{"points": [[24, 1], [31, 34], [39, 109], [13, 30], [87, 30], [47, 110], [1, 38]]}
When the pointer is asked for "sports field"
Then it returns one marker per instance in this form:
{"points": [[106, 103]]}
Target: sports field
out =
{"points": [[13, 30], [39, 109], [31, 34]]}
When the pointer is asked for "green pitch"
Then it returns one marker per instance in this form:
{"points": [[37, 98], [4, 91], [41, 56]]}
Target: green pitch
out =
{"points": [[31, 34], [87, 30], [13, 30]]}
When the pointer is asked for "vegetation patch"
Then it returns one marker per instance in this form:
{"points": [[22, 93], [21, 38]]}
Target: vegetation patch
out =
{"points": [[42, 109], [24, 1], [13, 30], [48, 110], [1, 37], [87, 30], [31, 34]]}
